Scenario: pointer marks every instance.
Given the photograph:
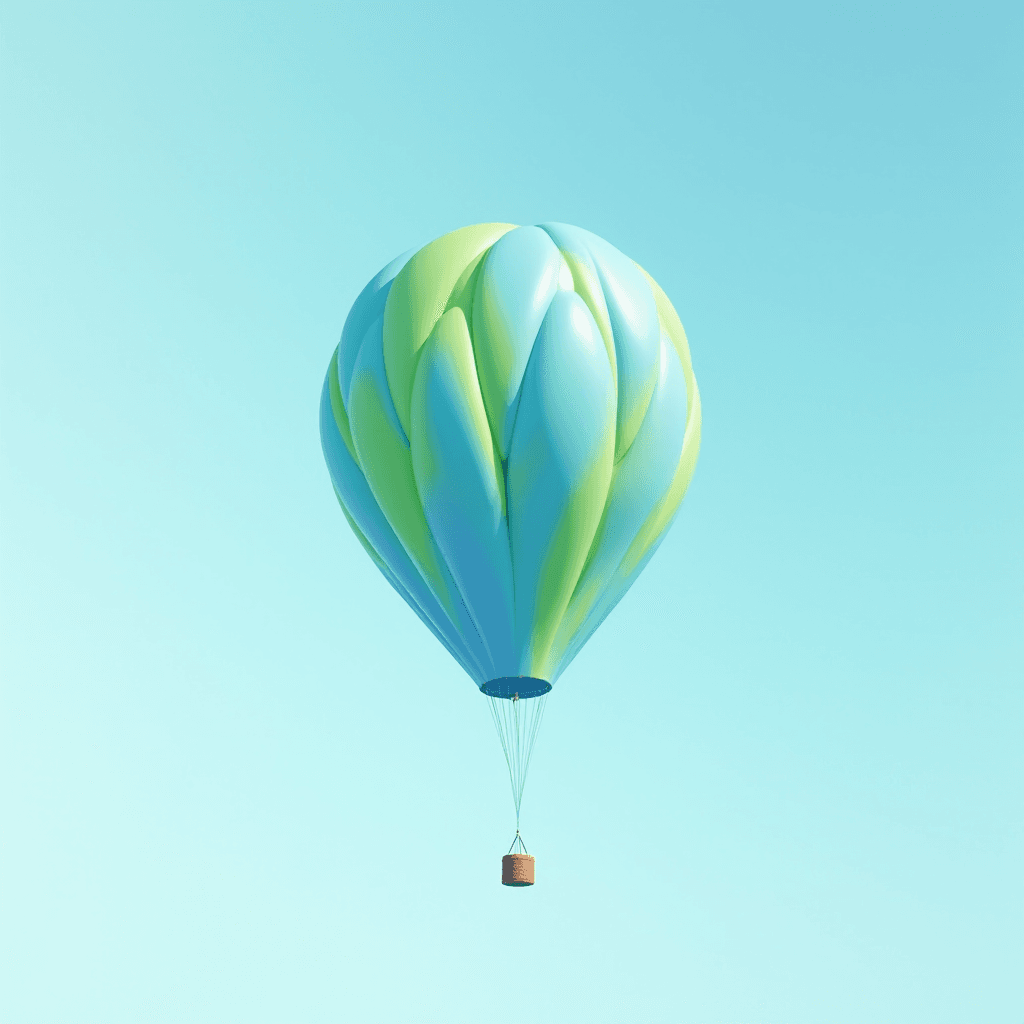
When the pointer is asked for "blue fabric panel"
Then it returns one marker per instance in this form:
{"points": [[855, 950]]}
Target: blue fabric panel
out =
{"points": [[609, 599], [368, 307], [558, 469], [639, 482], [370, 370], [457, 654], [516, 284], [635, 327], [460, 484], [360, 503]]}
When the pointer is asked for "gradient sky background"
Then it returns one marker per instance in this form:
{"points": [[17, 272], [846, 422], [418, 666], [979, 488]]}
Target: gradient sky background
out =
{"points": [[241, 784]]}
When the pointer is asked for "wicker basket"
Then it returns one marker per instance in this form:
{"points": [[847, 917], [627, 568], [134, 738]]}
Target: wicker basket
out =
{"points": [[517, 869]]}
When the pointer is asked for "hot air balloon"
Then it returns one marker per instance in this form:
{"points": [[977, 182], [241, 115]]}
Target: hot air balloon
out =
{"points": [[510, 422]]}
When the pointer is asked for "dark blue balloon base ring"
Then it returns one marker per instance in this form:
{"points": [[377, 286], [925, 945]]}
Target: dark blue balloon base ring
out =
{"points": [[510, 686]]}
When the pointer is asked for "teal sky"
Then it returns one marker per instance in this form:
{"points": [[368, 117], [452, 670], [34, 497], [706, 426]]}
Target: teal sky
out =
{"points": [[241, 784]]}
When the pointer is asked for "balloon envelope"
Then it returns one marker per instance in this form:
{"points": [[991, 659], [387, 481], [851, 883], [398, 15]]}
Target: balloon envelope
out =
{"points": [[510, 422]]}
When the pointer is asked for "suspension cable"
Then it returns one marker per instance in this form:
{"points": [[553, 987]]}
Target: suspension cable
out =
{"points": [[517, 722]]}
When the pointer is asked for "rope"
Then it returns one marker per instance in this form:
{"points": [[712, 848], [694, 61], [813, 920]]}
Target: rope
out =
{"points": [[522, 846], [517, 722]]}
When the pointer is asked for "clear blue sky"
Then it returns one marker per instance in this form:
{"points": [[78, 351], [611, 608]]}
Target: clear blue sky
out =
{"points": [[241, 784]]}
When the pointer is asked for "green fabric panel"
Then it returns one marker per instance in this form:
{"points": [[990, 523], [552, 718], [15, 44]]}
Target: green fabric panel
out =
{"points": [[462, 486], [588, 288], [464, 292], [560, 465], [666, 508], [402, 591], [361, 537], [420, 294], [338, 408], [453, 345], [564, 564], [672, 326], [640, 480], [518, 281], [387, 465]]}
